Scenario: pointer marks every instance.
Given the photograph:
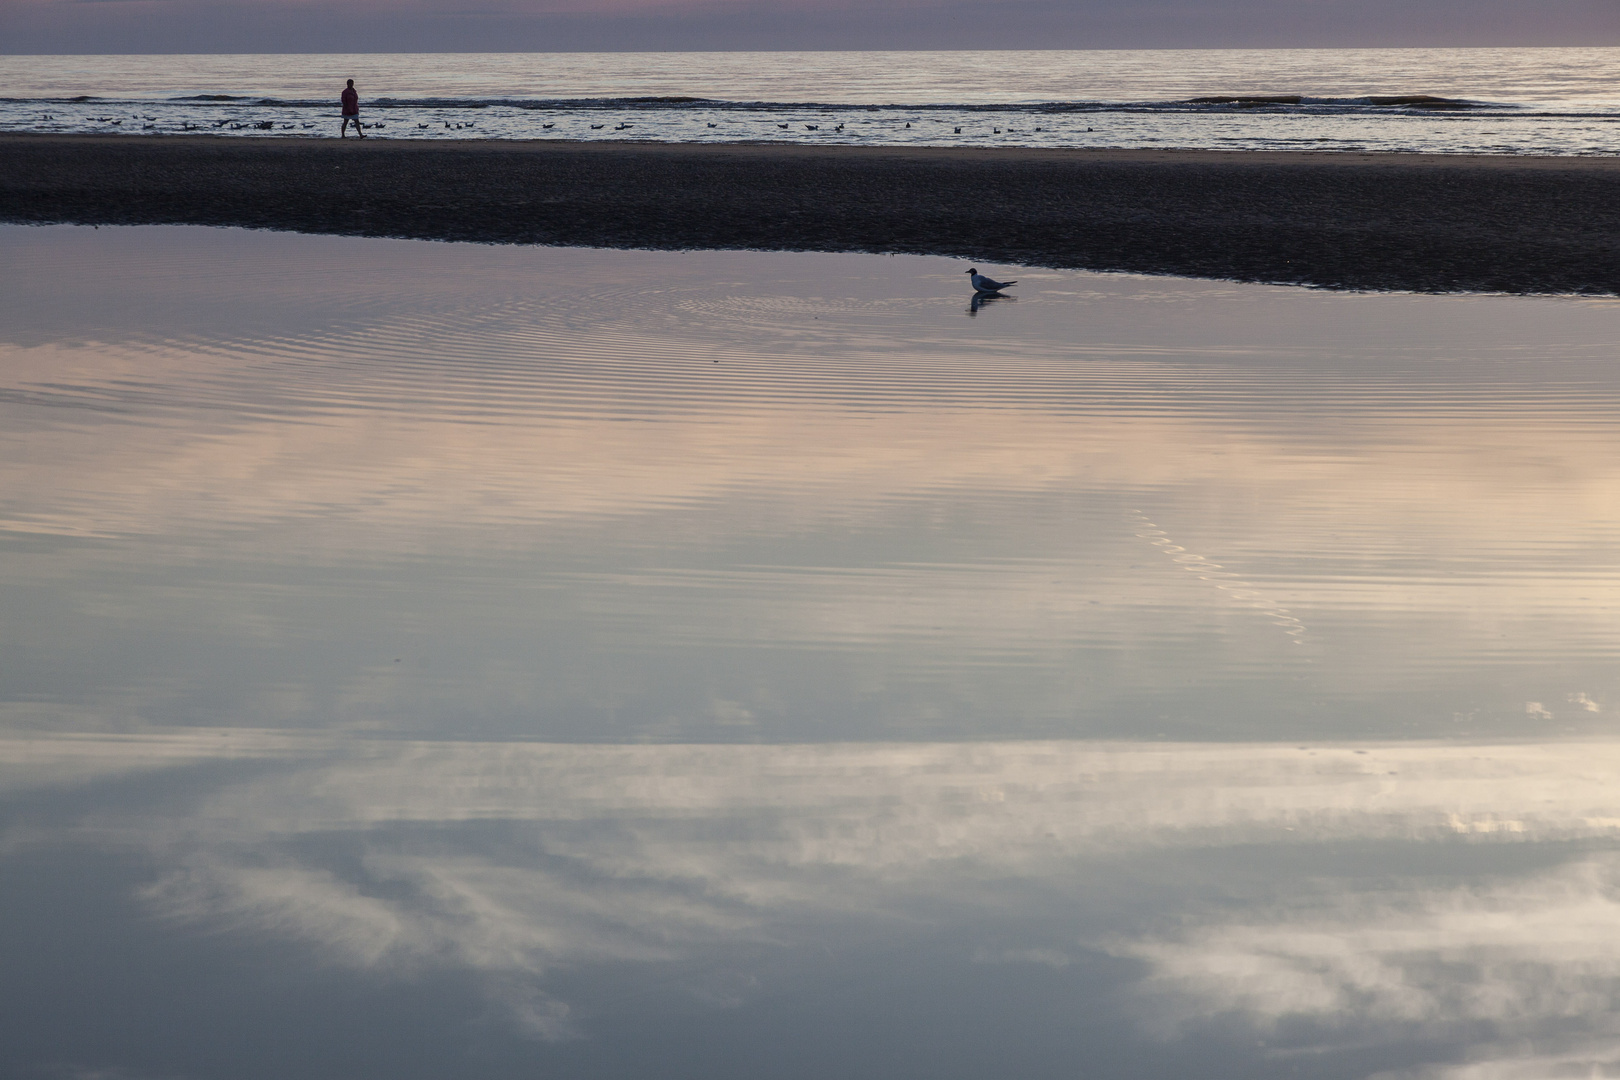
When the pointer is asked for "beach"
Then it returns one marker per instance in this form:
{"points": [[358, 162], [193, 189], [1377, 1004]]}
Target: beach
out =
{"points": [[506, 660], [1433, 223]]}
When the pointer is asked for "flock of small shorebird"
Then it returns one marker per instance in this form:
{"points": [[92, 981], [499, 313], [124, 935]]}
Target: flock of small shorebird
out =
{"points": [[271, 125]]}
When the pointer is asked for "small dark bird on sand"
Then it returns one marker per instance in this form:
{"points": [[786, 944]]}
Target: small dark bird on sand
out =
{"points": [[984, 284]]}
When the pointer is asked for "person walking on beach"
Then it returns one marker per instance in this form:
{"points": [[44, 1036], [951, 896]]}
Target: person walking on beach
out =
{"points": [[351, 111]]}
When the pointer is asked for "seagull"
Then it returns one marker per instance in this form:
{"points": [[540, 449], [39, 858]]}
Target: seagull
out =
{"points": [[782, 126], [812, 127], [987, 285]]}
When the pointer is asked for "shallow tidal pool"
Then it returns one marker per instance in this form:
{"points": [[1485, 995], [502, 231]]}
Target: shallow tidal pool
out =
{"points": [[429, 660]]}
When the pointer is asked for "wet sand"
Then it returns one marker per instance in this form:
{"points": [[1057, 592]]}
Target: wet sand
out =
{"points": [[1360, 221]]}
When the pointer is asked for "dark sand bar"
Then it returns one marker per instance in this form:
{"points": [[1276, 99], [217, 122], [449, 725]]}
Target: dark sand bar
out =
{"points": [[1360, 221]]}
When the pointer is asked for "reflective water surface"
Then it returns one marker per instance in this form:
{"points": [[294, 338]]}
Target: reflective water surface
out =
{"points": [[428, 660]]}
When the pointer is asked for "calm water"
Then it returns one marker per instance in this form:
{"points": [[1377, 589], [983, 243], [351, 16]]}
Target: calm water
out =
{"points": [[1504, 101], [741, 665]]}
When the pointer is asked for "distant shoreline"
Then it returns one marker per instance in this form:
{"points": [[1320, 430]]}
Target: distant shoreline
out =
{"points": [[1421, 222]]}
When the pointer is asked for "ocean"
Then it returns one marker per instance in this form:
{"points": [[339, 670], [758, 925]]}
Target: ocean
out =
{"points": [[1559, 101]]}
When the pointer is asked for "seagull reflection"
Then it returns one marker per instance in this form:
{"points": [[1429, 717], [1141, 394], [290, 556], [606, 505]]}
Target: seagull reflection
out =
{"points": [[980, 299]]}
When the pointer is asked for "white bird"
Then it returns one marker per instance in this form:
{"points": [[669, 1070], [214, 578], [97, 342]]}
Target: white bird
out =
{"points": [[984, 284]]}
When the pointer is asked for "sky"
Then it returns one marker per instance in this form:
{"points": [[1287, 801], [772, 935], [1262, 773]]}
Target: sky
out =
{"points": [[327, 26]]}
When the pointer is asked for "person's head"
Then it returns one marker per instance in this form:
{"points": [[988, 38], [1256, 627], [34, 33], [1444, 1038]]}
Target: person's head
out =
{"points": [[351, 84]]}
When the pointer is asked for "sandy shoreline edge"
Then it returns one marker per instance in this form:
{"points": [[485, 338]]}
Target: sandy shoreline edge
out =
{"points": [[1340, 220]]}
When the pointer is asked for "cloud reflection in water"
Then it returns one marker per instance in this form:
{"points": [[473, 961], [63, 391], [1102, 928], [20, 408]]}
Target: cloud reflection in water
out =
{"points": [[709, 667], [512, 860]]}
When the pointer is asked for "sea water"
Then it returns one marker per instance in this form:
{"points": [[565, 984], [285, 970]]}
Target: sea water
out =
{"points": [[428, 660], [1496, 101]]}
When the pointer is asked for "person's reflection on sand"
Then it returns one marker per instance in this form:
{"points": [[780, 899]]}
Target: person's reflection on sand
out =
{"points": [[980, 299]]}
